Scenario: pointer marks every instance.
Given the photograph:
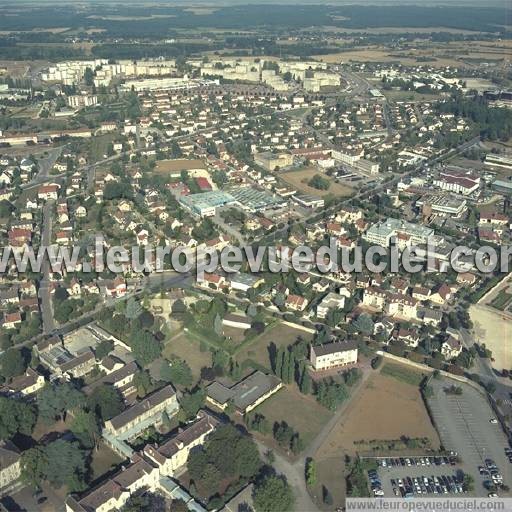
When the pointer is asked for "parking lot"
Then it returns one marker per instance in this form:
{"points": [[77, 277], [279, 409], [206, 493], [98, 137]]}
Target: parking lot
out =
{"points": [[466, 425], [415, 476]]}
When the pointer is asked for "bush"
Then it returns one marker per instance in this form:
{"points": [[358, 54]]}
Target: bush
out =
{"points": [[376, 362]]}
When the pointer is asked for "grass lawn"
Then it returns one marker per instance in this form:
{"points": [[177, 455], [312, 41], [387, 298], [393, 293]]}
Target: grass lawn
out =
{"points": [[103, 460], [301, 412], [331, 474], [402, 373], [187, 347], [99, 146], [501, 301], [280, 334]]}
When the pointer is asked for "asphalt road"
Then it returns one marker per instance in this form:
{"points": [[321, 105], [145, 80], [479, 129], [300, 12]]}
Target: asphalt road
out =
{"points": [[44, 285]]}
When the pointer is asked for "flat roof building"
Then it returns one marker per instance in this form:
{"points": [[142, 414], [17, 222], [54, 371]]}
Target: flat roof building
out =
{"points": [[205, 204], [381, 233], [271, 161], [246, 394]]}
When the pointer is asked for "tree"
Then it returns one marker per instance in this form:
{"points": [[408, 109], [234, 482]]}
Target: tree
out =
{"points": [[217, 325], [290, 367], [192, 402], [146, 348], [106, 402], [226, 454], [12, 363], [247, 457], [376, 362], [148, 502], [279, 362], [179, 373], [33, 465], [310, 472], [133, 309], [364, 324], [305, 382], [143, 383], [89, 76], [55, 399], [85, 428], [272, 494], [319, 182], [326, 496], [103, 349], [146, 319], [60, 462], [179, 506], [66, 465], [330, 393], [16, 417]]}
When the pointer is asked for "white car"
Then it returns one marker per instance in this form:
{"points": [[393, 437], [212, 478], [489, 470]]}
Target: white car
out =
{"points": [[492, 495], [493, 421]]}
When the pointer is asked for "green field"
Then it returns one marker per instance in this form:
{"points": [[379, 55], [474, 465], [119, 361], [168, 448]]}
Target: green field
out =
{"points": [[301, 412], [501, 301], [184, 346], [280, 334], [99, 146], [402, 373]]}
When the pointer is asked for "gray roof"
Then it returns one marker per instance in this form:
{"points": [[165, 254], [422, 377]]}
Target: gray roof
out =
{"points": [[245, 392], [332, 348], [137, 409], [9, 454]]}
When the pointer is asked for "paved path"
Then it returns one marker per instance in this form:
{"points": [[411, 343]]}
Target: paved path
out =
{"points": [[294, 473]]}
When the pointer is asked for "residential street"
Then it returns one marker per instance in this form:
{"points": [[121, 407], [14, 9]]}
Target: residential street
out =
{"points": [[44, 285]]}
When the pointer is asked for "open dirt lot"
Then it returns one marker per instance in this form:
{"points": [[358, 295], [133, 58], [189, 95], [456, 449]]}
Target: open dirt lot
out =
{"points": [[299, 181], [280, 334], [165, 166], [384, 409], [494, 328]]}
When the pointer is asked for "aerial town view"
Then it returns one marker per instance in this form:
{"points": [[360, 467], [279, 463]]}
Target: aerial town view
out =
{"points": [[255, 257]]}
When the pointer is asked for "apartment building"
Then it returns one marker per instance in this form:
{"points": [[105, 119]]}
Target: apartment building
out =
{"points": [[333, 355], [116, 491], [10, 468], [173, 454], [330, 301], [271, 161], [139, 416]]}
